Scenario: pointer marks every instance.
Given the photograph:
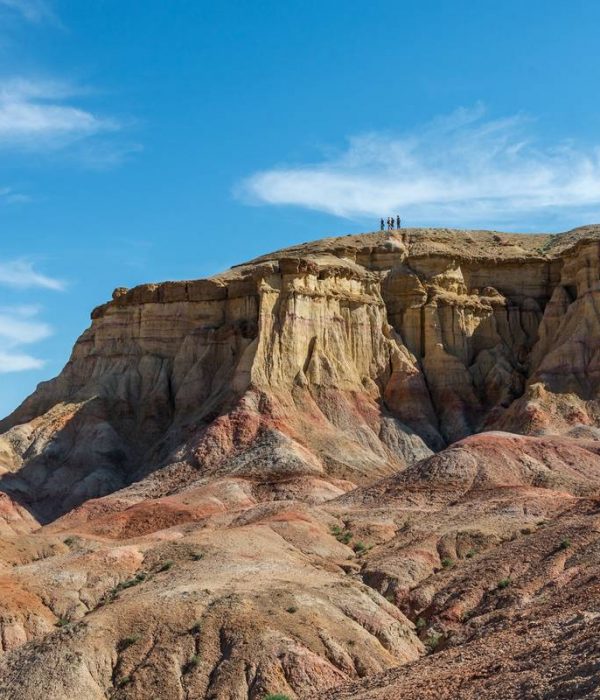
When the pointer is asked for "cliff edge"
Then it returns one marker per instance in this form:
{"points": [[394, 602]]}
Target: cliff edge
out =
{"points": [[366, 466]]}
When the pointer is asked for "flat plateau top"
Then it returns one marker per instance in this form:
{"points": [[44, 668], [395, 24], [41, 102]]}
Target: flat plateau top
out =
{"points": [[353, 254], [476, 244]]}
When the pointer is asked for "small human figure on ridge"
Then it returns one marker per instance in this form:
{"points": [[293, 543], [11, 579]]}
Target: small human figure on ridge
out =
{"points": [[390, 223]]}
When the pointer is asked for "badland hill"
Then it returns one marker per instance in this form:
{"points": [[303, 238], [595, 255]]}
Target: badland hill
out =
{"points": [[364, 467]]}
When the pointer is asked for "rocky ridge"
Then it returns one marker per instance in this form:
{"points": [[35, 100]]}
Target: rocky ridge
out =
{"points": [[282, 453]]}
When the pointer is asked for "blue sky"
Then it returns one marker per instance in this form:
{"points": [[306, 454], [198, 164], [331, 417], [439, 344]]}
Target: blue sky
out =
{"points": [[148, 140]]}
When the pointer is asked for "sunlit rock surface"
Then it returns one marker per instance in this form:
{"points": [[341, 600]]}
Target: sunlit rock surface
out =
{"points": [[236, 478]]}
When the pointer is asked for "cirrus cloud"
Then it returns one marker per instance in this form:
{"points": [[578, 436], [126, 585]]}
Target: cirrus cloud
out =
{"points": [[19, 274], [461, 169], [20, 325], [35, 114]]}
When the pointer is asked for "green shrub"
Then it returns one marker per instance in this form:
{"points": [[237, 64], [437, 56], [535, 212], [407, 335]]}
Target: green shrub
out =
{"points": [[112, 594], [69, 541], [359, 547], [61, 622], [503, 583], [292, 609], [276, 696], [345, 537], [470, 554], [165, 566], [126, 680], [421, 623], [565, 544], [127, 642], [197, 556], [341, 535], [447, 562], [130, 582], [433, 640]]}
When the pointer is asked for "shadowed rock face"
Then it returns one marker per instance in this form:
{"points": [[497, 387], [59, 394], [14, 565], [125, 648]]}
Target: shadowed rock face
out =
{"points": [[355, 356], [222, 427]]}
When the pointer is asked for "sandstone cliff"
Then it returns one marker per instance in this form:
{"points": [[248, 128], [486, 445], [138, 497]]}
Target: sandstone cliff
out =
{"points": [[236, 477], [346, 358]]}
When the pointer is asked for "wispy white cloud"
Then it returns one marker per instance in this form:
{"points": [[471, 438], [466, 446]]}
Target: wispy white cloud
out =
{"points": [[19, 274], [461, 169], [48, 116], [35, 114], [20, 326], [18, 362], [31, 10], [17, 329]]}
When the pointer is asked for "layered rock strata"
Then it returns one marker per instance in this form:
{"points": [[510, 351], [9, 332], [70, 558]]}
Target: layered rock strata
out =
{"points": [[348, 358], [231, 489]]}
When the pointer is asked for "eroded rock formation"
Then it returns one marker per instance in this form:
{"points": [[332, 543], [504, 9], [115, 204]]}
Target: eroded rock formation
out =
{"points": [[236, 476]]}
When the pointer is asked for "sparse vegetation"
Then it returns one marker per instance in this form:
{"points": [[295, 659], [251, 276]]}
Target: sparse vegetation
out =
{"points": [[191, 664], [165, 566], [565, 544], [113, 593], [62, 622], [359, 547], [197, 556], [420, 623], [129, 583], [526, 531], [470, 554], [292, 609], [127, 642], [126, 680], [341, 535], [447, 563], [433, 640], [503, 583], [69, 541], [196, 628], [276, 696]]}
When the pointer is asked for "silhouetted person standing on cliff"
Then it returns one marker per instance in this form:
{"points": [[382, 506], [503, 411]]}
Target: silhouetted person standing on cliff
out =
{"points": [[398, 222], [382, 225]]}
